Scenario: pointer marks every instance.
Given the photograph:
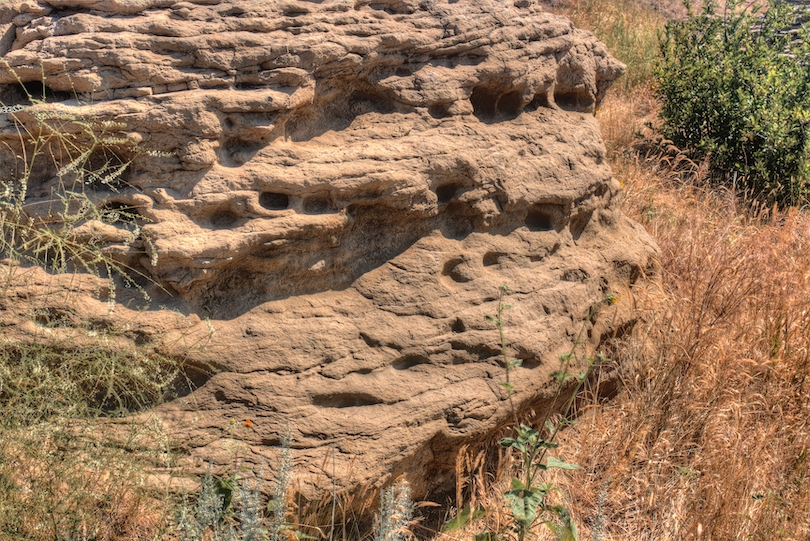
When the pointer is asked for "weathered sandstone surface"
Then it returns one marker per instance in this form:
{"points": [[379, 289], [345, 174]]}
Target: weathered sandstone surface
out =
{"points": [[340, 187]]}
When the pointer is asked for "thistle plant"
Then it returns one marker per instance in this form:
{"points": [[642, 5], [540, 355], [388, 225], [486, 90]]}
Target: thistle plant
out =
{"points": [[396, 512], [225, 510], [278, 506]]}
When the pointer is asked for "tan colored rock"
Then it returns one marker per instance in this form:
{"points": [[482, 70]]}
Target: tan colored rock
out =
{"points": [[342, 187]]}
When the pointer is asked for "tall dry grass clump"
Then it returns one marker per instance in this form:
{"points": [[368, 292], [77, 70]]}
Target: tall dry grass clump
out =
{"points": [[708, 437]]}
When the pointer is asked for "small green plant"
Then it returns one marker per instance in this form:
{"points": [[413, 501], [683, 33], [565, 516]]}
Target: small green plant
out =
{"points": [[229, 507], [509, 363], [527, 498], [735, 89], [226, 509], [278, 506]]}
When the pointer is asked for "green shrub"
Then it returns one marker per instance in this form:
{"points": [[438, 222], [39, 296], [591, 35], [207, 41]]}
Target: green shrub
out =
{"points": [[736, 90]]}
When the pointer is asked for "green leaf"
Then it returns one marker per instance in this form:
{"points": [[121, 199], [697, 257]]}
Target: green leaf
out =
{"points": [[225, 486], [524, 504], [466, 516], [506, 442], [554, 463], [487, 536], [517, 484], [526, 432], [566, 528]]}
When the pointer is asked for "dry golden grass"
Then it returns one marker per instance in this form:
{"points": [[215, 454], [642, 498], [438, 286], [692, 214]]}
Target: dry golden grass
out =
{"points": [[708, 438], [55, 486]]}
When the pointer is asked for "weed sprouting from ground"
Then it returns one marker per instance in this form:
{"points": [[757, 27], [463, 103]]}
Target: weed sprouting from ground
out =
{"points": [[278, 506], [396, 512]]}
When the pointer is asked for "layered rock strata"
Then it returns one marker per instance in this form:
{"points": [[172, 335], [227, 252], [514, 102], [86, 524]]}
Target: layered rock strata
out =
{"points": [[341, 188]]}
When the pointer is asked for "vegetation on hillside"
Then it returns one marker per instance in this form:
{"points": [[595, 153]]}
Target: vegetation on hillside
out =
{"points": [[735, 91], [705, 437]]}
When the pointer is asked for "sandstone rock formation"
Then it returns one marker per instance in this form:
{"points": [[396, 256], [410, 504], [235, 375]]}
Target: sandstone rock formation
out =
{"points": [[340, 187]]}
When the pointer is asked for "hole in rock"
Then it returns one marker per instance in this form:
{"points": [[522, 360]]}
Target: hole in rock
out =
{"points": [[540, 100], [495, 101], [403, 72], [484, 101], [53, 318], [531, 362], [295, 11], [574, 101], [233, 12], [575, 275], [543, 217], [141, 338], [345, 400], [451, 269], [446, 192], [628, 271], [317, 204], [458, 220], [482, 351], [509, 104], [439, 111], [409, 361], [492, 258], [192, 378], [370, 100], [223, 219], [25, 93], [274, 200], [458, 326], [371, 342], [105, 169], [237, 151], [245, 85], [393, 7]]}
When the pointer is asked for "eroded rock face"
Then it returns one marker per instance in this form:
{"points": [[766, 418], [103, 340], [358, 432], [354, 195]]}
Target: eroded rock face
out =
{"points": [[342, 187]]}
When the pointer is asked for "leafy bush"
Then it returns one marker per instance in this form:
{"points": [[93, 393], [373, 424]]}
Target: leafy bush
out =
{"points": [[736, 90]]}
